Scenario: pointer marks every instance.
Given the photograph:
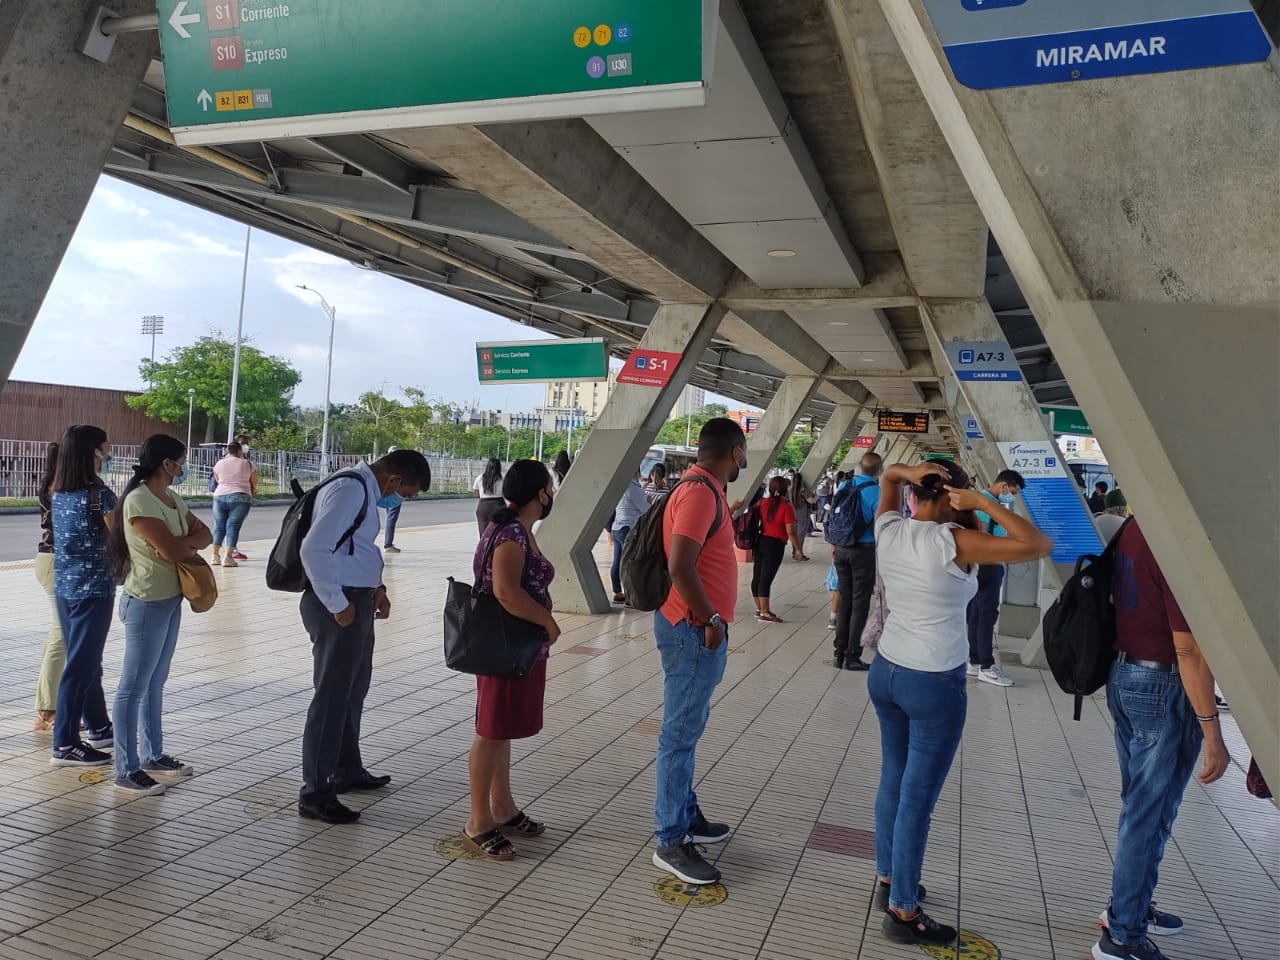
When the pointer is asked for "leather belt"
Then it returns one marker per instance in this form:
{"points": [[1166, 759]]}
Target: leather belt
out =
{"points": [[1160, 665]]}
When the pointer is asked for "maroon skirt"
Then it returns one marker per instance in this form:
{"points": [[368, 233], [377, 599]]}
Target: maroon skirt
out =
{"points": [[508, 708]]}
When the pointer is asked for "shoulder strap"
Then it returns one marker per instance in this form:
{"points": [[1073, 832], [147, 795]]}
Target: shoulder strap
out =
{"points": [[487, 559], [719, 520], [349, 537]]}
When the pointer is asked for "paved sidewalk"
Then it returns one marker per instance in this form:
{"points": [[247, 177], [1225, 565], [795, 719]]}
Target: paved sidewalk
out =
{"points": [[222, 867]]}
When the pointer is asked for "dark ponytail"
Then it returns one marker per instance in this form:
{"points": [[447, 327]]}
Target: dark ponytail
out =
{"points": [[156, 449], [525, 479], [50, 468], [933, 487], [491, 477]]}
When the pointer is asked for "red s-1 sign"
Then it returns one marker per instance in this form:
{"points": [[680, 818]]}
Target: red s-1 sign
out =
{"points": [[649, 368]]}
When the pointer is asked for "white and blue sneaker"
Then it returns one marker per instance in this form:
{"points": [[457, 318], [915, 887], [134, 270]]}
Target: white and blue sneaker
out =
{"points": [[1108, 949]]}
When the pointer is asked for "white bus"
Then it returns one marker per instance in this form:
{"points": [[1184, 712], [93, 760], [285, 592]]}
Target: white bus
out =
{"points": [[676, 459]]}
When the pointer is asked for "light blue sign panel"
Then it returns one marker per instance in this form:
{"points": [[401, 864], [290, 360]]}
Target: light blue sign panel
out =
{"points": [[983, 360], [1053, 499], [971, 429], [1016, 43]]}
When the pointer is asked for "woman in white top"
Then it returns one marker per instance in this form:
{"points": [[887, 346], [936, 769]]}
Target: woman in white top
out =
{"points": [[929, 564], [236, 481], [488, 487]]}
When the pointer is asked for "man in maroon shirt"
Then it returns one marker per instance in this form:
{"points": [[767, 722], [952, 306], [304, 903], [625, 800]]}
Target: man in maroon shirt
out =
{"points": [[1161, 697]]}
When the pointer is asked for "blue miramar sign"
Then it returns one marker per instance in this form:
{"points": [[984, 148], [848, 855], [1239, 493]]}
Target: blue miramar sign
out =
{"points": [[1015, 43]]}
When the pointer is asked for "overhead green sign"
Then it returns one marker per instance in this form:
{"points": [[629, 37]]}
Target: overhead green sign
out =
{"points": [[539, 361], [1068, 420], [926, 457], [260, 69]]}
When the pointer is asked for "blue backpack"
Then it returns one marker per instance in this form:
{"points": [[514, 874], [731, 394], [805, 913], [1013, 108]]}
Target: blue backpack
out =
{"points": [[847, 523]]}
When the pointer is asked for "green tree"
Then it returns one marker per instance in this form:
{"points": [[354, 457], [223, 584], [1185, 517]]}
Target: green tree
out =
{"points": [[263, 394], [286, 436], [379, 424], [675, 432]]}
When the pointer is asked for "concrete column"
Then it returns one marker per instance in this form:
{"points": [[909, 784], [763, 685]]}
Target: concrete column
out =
{"points": [[1086, 188], [776, 426], [609, 459], [832, 435], [60, 116]]}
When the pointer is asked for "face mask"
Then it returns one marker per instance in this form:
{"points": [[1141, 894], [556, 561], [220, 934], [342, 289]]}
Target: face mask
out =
{"points": [[1007, 499], [390, 501], [104, 459], [739, 463], [546, 507], [181, 478]]}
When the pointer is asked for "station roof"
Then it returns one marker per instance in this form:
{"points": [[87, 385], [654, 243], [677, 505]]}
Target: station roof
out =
{"points": [[814, 197]]}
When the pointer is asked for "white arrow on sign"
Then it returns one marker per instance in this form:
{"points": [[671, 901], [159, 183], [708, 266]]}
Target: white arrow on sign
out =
{"points": [[204, 98], [181, 18]]}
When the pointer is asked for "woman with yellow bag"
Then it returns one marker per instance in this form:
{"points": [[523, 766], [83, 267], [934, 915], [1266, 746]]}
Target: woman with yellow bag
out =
{"points": [[153, 535]]}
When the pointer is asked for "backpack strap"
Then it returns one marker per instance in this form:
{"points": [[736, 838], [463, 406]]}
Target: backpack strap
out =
{"points": [[349, 537], [719, 520]]}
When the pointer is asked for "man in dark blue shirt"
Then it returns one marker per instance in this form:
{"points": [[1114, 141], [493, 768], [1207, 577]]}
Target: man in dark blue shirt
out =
{"points": [[856, 569]]}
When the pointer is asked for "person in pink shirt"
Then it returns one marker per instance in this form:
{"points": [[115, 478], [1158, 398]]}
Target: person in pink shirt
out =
{"points": [[236, 483]]}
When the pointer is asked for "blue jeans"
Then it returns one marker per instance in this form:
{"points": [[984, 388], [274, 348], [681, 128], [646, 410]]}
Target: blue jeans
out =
{"points": [[615, 571], [921, 720], [1158, 740], [983, 612], [691, 673], [229, 512], [393, 517], [85, 624], [150, 636]]}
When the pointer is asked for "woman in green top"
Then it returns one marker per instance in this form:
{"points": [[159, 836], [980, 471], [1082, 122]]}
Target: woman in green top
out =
{"points": [[151, 532]]}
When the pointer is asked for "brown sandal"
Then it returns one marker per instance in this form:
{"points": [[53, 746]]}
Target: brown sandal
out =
{"points": [[492, 845], [524, 824]]}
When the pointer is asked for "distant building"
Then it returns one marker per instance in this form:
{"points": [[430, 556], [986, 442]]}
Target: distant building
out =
{"points": [[746, 418], [588, 397], [692, 400], [43, 411]]}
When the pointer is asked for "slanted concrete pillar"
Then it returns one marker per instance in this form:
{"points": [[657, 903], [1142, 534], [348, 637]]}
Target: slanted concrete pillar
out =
{"points": [[1161, 310], [832, 435], [850, 461], [896, 450], [776, 427], [609, 459], [60, 114]]}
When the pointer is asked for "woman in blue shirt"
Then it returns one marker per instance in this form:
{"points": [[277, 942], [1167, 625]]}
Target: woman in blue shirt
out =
{"points": [[84, 590], [633, 505]]}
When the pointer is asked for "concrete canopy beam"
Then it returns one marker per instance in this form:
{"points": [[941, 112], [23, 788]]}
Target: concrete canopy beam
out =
{"points": [[51, 158], [887, 286], [829, 439], [776, 426], [612, 454], [564, 178], [1088, 202]]}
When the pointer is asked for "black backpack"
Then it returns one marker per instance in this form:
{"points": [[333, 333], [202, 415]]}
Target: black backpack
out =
{"points": [[748, 527], [645, 577], [847, 522], [1080, 628], [284, 565]]}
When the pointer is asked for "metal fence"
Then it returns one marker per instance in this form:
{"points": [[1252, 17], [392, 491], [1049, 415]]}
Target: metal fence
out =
{"points": [[22, 464]]}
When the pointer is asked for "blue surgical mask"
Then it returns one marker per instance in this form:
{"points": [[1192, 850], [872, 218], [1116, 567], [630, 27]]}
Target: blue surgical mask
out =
{"points": [[104, 459], [390, 501], [1007, 499], [181, 478]]}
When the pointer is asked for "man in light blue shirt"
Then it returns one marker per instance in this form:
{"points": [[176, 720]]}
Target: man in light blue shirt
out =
{"points": [[855, 565], [984, 608], [633, 505], [344, 596]]}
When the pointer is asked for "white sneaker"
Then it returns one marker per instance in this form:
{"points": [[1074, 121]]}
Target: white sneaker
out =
{"points": [[971, 670], [994, 674], [831, 622]]}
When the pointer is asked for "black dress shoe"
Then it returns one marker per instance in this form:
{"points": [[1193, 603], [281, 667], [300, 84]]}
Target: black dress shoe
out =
{"points": [[855, 663], [838, 662], [365, 781], [330, 811]]}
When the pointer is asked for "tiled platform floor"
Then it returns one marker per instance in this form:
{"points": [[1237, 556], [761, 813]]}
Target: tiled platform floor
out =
{"points": [[221, 867]]}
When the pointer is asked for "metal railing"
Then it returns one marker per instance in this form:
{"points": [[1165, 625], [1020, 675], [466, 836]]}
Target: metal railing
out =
{"points": [[22, 464]]}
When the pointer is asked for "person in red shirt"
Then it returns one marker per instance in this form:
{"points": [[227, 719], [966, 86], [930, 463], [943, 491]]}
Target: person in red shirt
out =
{"points": [[777, 529], [1161, 698], [692, 629]]}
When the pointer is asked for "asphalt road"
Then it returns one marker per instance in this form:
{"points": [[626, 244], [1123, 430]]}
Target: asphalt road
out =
{"points": [[19, 533]]}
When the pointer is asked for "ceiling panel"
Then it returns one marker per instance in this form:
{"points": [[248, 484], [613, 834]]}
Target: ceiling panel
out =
{"points": [[819, 260], [870, 360]]}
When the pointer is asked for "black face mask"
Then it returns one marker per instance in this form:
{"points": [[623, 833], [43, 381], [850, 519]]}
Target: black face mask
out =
{"points": [[546, 507]]}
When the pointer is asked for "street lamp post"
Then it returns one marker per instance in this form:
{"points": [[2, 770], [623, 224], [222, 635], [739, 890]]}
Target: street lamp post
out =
{"points": [[191, 406], [235, 364], [153, 326], [332, 314]]}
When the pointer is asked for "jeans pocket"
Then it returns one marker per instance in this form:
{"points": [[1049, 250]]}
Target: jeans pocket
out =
{"points": [[1146, 713]]}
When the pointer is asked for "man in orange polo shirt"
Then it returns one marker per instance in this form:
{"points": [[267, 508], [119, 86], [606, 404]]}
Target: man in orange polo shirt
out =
{"points": [[692, 631]]}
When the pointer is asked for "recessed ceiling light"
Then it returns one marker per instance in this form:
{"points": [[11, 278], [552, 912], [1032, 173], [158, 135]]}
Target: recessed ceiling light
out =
{"points": [[867, 359], [782, 254], [839, 323]]}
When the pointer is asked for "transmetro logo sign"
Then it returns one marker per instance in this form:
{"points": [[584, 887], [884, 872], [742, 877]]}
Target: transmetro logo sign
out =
{"points": [[649, 368]]}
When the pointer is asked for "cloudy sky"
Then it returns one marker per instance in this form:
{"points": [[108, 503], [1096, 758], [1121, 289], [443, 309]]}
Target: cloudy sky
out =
{"points": [[138, 253]]}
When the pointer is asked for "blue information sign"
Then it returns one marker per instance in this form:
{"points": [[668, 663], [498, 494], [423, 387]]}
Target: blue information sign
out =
{"points": [[1053, 499], [983, 360], [971, 429], [1014, 43]]}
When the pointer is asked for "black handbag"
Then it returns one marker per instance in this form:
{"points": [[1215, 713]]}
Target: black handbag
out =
{"points": [[481, 637]]}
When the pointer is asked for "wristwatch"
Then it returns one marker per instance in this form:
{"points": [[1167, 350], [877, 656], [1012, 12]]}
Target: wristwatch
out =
{"points": [[716, 621]]}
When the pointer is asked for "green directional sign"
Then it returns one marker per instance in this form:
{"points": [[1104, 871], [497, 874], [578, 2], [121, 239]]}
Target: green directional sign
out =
{"points": [[260, 69], [539, 361], [1068, 420]]}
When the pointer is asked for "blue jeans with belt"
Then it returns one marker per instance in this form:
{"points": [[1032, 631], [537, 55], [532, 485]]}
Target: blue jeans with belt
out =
{"points": [[150, 638], [921, 721], [691, 673], [1158, 741], [229, 512]]}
